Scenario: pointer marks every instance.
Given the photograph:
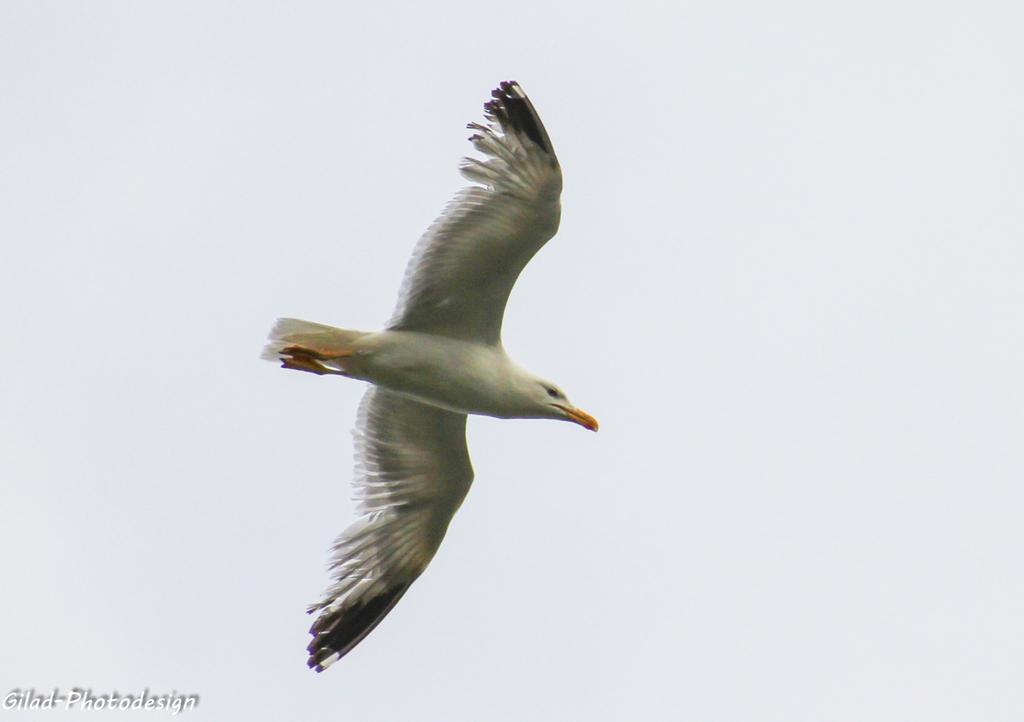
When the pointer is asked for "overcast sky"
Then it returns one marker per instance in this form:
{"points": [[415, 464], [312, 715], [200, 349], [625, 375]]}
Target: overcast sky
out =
{"points": [[788, 282]]}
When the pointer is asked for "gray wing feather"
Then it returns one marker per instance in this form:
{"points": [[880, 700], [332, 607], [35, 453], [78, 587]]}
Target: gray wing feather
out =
{"points": [[412, 473], [462, 271]]}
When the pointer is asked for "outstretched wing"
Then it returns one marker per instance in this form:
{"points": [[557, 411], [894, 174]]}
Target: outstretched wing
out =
{"points": [[464, 267], [412, 473]]}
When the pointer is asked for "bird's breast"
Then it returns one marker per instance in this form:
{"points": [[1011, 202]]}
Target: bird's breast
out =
{"points": [[452, 374]]}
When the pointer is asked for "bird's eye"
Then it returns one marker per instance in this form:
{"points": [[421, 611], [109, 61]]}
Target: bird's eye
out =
{"points": [[553, 393]]}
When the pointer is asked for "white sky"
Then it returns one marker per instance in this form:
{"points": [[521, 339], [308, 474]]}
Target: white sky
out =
{"points": [[788, 283]]}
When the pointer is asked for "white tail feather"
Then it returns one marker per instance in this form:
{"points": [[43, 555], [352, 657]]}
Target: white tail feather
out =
{"points": [[296, 332]]}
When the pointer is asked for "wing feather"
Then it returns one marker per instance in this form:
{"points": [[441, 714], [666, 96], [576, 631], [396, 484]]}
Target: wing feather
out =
{"points": [[464, 267], [412, 473]]}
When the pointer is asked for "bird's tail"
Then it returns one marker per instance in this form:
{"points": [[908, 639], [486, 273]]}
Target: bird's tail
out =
{"points": [[313, 347]]}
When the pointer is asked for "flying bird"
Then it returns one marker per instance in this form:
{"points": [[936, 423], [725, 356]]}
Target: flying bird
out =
{"points": [[439, 358]]}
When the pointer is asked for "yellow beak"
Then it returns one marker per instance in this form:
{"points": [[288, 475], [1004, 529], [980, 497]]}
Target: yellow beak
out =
{"points": [[580, 417]]}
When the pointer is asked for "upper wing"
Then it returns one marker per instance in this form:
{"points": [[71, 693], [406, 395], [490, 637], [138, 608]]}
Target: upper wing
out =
{"points": [[412, 472], [464, 267]]}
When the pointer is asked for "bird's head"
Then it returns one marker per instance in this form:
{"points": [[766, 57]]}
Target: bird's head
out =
{"points": [[557, 406]]}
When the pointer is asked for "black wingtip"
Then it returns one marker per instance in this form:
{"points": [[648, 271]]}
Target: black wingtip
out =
{"points": [[336, 633], [510, 106]]}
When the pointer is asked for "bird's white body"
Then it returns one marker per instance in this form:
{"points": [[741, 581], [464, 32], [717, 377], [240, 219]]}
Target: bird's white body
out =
{"points": [[460, 376], [439, 359]]}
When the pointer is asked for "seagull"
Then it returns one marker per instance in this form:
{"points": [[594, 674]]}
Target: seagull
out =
{"points": [[439, 358]]}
